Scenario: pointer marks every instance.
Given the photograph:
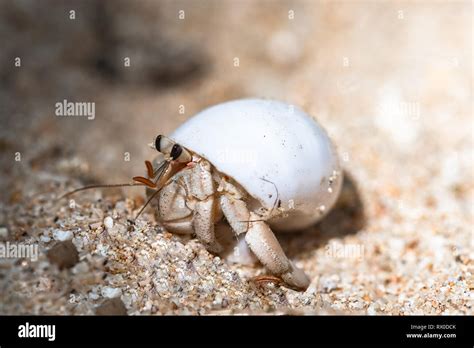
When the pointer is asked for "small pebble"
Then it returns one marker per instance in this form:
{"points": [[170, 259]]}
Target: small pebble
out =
{"points": [[81, 267], [62, 235], [45, 239], [3, 232], [95, 226], [108, 222], [111, 292], [113, 306], [371, 310], [93, 296], [328, 284], [218, 301], [63, 254]]}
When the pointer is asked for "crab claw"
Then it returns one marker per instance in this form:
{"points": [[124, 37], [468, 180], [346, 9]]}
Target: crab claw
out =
{"points": [[296, 277]]}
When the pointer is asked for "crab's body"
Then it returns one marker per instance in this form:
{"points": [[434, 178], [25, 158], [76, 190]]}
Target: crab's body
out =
{"points": [[253, 163], [198, 197]]}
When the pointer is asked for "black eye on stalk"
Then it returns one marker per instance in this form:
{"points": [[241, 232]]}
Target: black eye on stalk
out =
{"points": [[157, 143], [176, 151]]}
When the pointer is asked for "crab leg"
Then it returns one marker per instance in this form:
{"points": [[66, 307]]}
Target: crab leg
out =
{"points": [[266, 247], [260, 239], [202, 189]]}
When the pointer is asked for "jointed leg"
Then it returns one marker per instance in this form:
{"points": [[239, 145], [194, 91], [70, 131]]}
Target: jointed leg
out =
{"points": [[236, 213], [262, 242], [266, 247], [202, 189], [203, 224]]}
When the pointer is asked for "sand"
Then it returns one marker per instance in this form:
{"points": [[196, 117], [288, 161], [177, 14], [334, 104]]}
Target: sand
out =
{"points": [[391, 83]]}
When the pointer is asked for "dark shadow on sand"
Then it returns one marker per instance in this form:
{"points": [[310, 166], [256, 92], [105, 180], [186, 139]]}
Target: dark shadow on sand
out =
{"points": [[346, 218]]}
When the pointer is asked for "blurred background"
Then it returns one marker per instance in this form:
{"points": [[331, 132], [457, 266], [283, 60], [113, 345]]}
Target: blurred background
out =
{"points": [[368, 71], [390, 81]]}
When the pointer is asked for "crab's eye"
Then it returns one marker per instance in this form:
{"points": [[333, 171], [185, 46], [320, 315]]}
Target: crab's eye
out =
{"points": [[158, 143], [180, 154], [163, 144], [176, 151]]}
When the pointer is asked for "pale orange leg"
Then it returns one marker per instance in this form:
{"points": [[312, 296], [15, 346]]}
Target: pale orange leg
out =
{"points": [[149, 169], [144, 181], [263, 279]]}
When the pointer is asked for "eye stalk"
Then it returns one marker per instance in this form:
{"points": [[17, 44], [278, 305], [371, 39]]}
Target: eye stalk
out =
{"points": [[172, 150]]}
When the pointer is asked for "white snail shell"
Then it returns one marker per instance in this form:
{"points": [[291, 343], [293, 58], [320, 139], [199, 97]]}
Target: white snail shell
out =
{"points": [[253, 139]]}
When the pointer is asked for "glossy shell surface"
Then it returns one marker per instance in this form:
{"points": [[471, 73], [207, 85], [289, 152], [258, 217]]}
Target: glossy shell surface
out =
{"points": [[269, 146]]}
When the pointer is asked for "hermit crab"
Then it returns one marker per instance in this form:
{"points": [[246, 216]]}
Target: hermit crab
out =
{"points": [[260, 165]]}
